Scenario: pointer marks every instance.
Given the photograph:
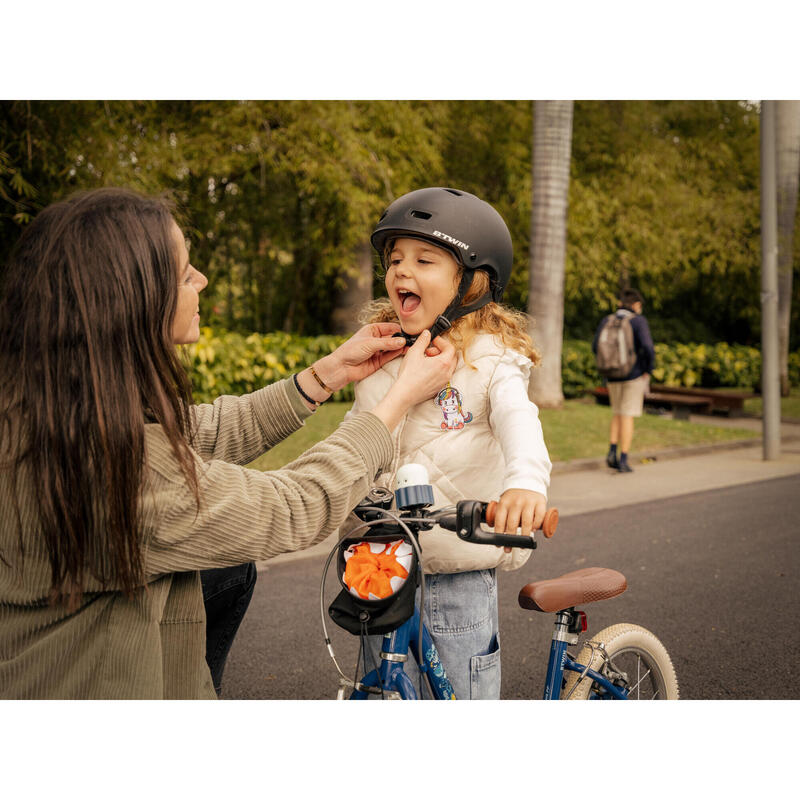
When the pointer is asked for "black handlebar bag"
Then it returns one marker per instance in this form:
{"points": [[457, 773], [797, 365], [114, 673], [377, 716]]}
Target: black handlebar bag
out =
{"points": [[376, 597]]}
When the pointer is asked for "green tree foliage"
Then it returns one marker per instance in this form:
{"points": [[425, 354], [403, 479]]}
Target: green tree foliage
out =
{"points": [[275, 196], [665, 198]]}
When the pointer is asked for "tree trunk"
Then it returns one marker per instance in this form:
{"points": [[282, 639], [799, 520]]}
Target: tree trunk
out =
{"points": [[787, 157], [552, 140], [357, 292]]}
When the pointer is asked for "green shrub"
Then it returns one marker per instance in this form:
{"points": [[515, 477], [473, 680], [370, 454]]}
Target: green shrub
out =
{"points": [[230, 363], [578, 370], [709, 365]]}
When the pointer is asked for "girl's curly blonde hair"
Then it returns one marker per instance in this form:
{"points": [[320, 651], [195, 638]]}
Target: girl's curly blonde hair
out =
{"points": [[508, 324]]}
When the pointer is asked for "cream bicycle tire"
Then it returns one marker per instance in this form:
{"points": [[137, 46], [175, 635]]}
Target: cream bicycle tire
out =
{"points": [[628, 646]]}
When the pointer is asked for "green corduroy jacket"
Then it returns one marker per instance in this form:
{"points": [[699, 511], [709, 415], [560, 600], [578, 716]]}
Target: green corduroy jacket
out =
{"points": [[153, 645]]}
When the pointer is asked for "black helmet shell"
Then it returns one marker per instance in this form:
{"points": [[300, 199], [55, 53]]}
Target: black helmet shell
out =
{"points": [[458, 221]]}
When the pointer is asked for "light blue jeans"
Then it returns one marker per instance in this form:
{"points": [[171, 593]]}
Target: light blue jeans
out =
{"points": [[461, 615]]}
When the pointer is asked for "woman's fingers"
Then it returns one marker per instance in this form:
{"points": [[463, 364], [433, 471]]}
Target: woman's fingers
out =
{"points": [[423, 375], [381, 329]]}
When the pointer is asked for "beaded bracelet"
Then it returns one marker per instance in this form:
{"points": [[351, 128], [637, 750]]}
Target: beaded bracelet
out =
{"points": [[315, 403]]}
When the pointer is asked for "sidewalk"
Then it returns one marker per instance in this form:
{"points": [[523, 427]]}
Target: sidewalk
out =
{"points": [[578, 487]]}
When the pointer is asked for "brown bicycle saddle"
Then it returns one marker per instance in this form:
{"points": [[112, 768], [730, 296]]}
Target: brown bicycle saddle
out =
{"points": [[573, 589]]}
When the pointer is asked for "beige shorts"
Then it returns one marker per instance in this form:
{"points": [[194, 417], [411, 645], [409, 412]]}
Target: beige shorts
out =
{"points": [[627, 397]]}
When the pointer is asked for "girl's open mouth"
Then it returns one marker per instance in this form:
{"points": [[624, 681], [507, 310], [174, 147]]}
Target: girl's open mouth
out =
{"points": [[409, 302]]}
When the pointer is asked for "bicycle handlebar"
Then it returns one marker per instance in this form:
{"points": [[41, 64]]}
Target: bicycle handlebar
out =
{"points": [[466, 522]]}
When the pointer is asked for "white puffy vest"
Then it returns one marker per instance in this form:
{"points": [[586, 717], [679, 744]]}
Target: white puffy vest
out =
{"points": [[450, 436]]}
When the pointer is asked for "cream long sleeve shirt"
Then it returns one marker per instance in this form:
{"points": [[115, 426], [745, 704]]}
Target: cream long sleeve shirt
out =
{"points": [[515, 422]]}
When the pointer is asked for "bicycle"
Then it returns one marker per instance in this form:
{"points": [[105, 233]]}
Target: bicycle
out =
{"points": [[622, 662]]}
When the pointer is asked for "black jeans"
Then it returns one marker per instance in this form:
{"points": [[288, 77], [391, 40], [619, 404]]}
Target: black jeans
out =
{"points": [[226, 595]]}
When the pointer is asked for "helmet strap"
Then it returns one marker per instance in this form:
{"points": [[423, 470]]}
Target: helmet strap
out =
{"points": [[455, 310]]}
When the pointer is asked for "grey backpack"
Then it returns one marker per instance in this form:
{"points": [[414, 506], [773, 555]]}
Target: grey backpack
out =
{"points": [[616, 354]]}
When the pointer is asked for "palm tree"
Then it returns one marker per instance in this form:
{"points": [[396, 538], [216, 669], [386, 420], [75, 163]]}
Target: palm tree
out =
{"points": [[787, 158], [552, 144]]}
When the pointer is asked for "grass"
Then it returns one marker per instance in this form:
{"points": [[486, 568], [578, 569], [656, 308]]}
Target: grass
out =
{"points": [[579, 430], [320, 424], [790, 406]]}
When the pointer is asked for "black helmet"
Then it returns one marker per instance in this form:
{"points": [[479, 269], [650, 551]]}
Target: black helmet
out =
{"points": [[458, 221]]}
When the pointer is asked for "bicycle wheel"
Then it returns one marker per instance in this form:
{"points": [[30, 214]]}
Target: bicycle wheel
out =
{"points": [[636, 660]]}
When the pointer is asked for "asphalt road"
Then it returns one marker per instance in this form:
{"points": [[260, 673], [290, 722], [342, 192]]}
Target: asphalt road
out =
{"points": [[714, 575]]}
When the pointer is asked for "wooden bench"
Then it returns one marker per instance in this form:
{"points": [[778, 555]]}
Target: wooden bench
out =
{"points": [[681, 405], [729, 402]]}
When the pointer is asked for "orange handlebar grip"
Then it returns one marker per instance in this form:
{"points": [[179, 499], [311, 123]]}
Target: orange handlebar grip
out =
{"points": [[550, 522]]}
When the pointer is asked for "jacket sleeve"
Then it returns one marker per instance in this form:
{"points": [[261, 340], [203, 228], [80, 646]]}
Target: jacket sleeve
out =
{"points": [[644, 344], [351, 521], [514, 419], [247, 515], [239, 429]]}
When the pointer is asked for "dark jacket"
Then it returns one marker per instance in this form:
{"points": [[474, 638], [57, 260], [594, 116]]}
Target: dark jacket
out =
{"points": [[642, 342]]}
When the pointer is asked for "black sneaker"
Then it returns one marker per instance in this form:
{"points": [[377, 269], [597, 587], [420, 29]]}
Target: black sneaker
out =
{"points": [[611, 460], [624, 466]]}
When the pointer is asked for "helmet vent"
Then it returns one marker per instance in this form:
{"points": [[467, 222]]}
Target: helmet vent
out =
{"points": [[420, 214], [453, 191]]}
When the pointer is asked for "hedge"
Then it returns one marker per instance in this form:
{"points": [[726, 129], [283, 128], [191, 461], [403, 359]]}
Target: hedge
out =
{"points": [[230, 363]]}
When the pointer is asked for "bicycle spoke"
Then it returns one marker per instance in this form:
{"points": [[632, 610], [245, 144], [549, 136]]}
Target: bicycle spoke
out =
{"points": [[639, 677]]}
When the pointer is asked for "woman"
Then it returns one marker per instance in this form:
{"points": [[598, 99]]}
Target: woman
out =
{"points": [[114, 489]]}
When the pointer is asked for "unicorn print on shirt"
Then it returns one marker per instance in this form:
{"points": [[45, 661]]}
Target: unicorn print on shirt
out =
{"points": [[449, 400]]}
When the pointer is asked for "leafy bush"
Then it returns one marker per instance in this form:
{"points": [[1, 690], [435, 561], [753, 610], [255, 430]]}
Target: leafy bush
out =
{"points": [[707, 365], [578, 370], [229, 363]]}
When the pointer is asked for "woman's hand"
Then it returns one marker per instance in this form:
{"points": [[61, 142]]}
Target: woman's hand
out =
{"points": [[362, 354], [421, 376], [519, 508]]}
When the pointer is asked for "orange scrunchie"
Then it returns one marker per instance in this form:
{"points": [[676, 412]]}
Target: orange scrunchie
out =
{"points": [[370, 573]]}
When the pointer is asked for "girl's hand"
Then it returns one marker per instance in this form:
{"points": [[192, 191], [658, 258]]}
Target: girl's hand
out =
{"points": [[519, 508], [362, 354]]}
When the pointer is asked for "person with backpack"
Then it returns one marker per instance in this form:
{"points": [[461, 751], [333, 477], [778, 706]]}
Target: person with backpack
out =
{"points": [[625, 356]]}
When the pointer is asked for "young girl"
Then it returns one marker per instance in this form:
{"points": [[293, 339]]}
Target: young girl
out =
{"points": [[447, 257]]}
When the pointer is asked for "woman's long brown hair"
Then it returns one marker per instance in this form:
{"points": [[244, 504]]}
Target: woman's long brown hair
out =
{"points": [[87, 300]]}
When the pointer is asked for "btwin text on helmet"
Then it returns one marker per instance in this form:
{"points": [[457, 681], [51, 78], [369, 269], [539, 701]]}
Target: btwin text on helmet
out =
{"points": [[451, 240]]}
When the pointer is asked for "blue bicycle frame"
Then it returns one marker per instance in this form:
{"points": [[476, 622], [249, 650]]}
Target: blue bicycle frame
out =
{"points": [[391, 678], [390, 675]]}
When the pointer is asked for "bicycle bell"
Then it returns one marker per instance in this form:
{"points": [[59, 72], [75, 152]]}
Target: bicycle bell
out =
{"points": [[413, 487]]}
